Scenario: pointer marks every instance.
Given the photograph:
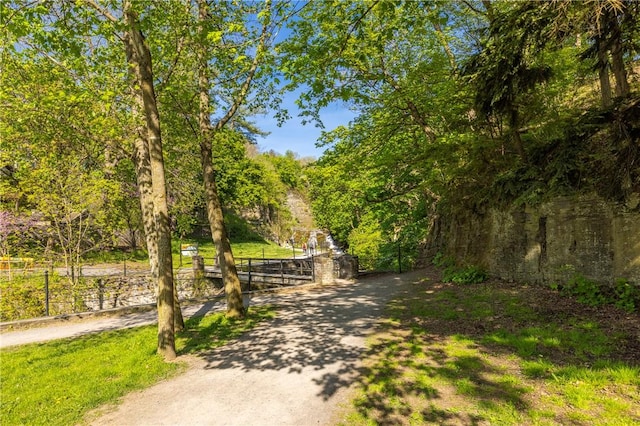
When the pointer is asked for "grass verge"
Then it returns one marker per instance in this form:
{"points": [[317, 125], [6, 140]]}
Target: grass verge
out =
{"points": [[57, 383], [253, 249], [499, 353]]}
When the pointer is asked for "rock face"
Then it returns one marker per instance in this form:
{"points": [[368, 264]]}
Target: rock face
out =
{"points": [[300, 210], [551, 242]]}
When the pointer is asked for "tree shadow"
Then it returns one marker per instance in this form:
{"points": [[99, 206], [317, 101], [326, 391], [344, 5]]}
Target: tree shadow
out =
{"points": [[321, 334], [455, 355]]}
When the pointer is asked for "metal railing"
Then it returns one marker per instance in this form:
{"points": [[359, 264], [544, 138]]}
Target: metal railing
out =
{"points": [[51, 294], [261, 273], [47, 291]]}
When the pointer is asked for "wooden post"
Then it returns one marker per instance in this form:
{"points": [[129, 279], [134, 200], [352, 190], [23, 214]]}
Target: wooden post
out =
{"points": [[46, 293]]}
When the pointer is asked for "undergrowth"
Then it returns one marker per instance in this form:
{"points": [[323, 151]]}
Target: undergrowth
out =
{"points": [[622, 294], [453, 273]]}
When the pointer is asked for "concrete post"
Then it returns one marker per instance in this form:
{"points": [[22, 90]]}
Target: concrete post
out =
{"points": [[198, 271], [323, 270]]}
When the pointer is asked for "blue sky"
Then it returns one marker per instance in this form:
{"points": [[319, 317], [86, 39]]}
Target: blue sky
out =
{"points": [[295, 136]]}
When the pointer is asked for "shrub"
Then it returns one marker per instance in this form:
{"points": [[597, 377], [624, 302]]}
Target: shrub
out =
{"points": [[466, 275], [627, 295], [623, 294], [585, 290]]}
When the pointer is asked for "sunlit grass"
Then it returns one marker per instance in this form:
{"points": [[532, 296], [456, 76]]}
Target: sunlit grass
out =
{"points": [[252, 249], [58, 382], [445, 358]]}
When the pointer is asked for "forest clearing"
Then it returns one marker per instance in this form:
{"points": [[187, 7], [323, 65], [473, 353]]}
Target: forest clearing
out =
{"points": [[488, 147]]}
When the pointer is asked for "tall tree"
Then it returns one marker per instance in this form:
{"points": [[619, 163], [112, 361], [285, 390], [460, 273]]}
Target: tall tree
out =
{"points": [[609, 26], [140, 60], [238, 96], [506, 70], [392, 63]]}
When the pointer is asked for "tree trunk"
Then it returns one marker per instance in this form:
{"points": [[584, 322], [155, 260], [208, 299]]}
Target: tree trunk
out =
{"points": [[603, 73], [617, 61], [233, 288], [232, 285], [141, 62], [143, 176]]}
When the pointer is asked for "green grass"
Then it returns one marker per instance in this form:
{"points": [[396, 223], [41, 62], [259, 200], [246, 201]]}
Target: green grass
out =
{"points": [[251, 249], [452, 354], [59, 382], [206, 249]]}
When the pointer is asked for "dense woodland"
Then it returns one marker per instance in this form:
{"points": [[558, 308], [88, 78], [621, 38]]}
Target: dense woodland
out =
{"points": [[469, 105], [126, 121]]}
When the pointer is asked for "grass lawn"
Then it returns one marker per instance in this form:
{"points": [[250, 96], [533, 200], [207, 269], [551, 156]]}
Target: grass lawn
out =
{"points": [[57, 383], [500, 354]]}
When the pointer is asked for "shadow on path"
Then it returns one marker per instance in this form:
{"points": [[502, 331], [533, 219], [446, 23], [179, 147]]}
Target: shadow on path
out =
{"points": [[293, 370], [323, 332]]}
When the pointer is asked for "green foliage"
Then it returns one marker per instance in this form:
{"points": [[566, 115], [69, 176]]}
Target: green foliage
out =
{"points": [[622, 294], [22, 297], [627, 295], [424, 136], [289, 169], [458, 106], [366, 241], [585, 290], [466, 275], [239, 230]]}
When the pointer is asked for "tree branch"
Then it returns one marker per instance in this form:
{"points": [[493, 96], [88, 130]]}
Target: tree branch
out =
{"points": [[244, 90]]}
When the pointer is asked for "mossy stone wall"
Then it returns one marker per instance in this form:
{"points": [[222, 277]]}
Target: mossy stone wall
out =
{"points": [[552, 242]]}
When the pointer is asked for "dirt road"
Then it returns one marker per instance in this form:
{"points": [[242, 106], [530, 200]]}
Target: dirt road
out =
{"points": [[295, 370]]}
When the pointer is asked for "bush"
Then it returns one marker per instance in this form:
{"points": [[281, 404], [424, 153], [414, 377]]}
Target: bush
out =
{"points": [[623, 294], [366, 242], [585, 290], [467, 275], [627, 295], [21, 298]]}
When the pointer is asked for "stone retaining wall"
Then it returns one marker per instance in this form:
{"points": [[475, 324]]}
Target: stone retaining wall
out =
{"points": [[549, 243]]}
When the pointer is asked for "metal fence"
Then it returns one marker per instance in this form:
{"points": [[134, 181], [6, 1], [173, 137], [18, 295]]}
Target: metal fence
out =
{"points": [[44, 291]]}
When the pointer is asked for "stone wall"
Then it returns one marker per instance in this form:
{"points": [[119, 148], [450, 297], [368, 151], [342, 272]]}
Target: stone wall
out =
{"points": [[550, 242]]}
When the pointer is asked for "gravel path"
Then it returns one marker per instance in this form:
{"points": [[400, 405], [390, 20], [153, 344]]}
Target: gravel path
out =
{"points": [[295, 370]]}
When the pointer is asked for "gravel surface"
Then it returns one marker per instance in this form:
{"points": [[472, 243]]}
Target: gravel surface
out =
{"points": [[295, 370]]}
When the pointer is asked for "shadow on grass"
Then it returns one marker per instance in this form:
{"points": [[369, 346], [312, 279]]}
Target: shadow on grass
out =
{"points": [[214, 330], [471, 355], [403, 384]]}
